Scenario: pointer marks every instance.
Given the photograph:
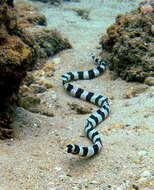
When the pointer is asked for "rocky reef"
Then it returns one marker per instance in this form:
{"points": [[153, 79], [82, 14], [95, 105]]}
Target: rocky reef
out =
{"points": [[33, 24], [19, 52], [49, 41], [16, 57], [128, 46], [29, 16]]}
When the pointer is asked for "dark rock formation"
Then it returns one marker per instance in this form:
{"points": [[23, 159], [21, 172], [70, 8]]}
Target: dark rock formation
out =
{"points": [[15, 58], [31, 23], [50, 41], [128, 46], [20, 47]]}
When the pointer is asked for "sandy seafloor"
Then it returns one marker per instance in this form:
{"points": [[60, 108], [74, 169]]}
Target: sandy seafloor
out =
{"points": [[36, 160]]}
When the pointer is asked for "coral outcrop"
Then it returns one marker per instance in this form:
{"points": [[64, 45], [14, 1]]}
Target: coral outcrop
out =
{"points": [[22, 42], [29, 16], [32, 23], [128, 46], [16, 57], [50, 41]]}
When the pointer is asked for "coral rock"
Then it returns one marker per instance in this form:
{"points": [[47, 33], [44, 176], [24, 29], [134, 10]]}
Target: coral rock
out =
{"points": [[16, 57], [49, 41], [128, 46]]}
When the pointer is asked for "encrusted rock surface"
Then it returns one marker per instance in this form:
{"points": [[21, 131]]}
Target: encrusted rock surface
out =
{"points": [[32, 23], [21, 43], [29, 16], [128, 46], [15, 58], [50, 41]]}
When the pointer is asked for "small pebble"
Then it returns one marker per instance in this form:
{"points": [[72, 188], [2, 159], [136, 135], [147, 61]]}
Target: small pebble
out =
{"points": [[120, 188], [94, 182], [35, 125], [58, 168], [75, 188], [56, 60], [41, 174], [145, 174], [142, 153], [62, 177], [54, 96], [50, 105]]}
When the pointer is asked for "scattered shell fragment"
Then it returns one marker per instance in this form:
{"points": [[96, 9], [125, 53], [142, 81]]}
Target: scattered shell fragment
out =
{"points": [[145, 174], [119, 188], [57, 168], [75, 188], [62, 177], [54, 96], [94, 182], [56, 60], [142, 153], [36, 125]]}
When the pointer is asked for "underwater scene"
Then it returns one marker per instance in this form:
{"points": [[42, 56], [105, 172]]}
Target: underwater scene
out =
{"points": [[77, 94]]}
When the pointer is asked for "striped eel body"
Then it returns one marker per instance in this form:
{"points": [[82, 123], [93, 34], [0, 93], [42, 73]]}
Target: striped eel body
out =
{"points": [[95, 118]]}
